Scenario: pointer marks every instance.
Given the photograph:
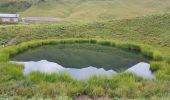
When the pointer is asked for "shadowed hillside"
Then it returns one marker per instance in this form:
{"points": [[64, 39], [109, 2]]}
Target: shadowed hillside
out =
{"points": [[13, 6], [97, 9]]}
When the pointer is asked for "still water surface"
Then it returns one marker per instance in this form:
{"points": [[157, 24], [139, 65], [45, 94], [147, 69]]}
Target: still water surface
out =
{"points": [[82, 61], [82, 56]]}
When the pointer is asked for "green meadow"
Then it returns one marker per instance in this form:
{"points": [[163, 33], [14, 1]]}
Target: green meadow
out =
{"points": [[141, 26]]}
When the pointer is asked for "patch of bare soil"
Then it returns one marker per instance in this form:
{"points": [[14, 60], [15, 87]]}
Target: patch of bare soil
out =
{"points": [[85, 97], [10, 42]]}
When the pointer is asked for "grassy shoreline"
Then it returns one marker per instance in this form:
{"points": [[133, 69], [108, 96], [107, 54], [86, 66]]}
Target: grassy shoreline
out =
{"points": [[142, 25], [146, 50], [54, 85]]}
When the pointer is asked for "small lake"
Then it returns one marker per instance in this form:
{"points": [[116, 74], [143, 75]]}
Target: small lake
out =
{"points": [[83, 60], [83, 55]]}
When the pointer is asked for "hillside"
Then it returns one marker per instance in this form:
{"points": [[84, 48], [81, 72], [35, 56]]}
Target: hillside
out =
{"points": [[86, 10], [13, 6], [153, 30], [97, 9], [134, 26]]}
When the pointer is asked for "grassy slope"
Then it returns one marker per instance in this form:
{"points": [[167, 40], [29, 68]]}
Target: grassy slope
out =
{"points": [[152, 30], [14, 83], [13, 6], [88, 10]]}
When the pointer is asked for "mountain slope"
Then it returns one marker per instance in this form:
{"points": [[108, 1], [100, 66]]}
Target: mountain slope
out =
{"points": [[97, 9], [13, 6], [85, 10], [152, 30]]}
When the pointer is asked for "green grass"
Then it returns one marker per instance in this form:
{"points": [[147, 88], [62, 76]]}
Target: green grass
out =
{"points": [[161, 69], [85, 10], [53, 77], [13, 6], [143, 49], [95, 10], [141, 30], [54, 85], [46, 86], [10, 73], [111, 23]]}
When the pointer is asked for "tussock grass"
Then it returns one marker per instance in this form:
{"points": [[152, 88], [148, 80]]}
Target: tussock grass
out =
{"points": [[11, 72], [124, 85], [4, 57], [161, 69], [53, 77], [134, 47], [46, 86], [155, 66], [152, 30], [129, 46], [14, 6], [92, 10], [60, 88], [151, 52], [105, 43]]}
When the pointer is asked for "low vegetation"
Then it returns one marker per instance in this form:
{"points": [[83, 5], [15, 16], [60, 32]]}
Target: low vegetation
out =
{"points": [[95, 10], [139, 30], [103, 22], [144, 49], [13, 6], [15, 84]]}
